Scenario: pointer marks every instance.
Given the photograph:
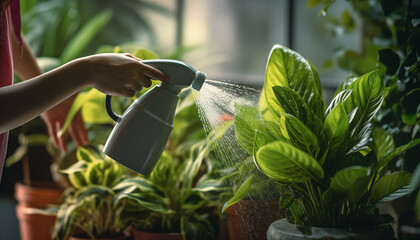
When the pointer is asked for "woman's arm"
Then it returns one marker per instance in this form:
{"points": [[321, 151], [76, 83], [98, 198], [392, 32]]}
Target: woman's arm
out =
{"points": [[115, 74], [26, 67]]}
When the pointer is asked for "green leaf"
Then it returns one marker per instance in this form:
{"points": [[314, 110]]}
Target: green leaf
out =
{"points": [[141, 183], [163, 171], [78, 166], [83, 154], [300, 135], [93, 174], [367, 96], [411, 105], [193, 164], [352, 181], [390, 187], [396, 152], [289, 69], [243, 192], [339, 98], [383, 142], [150, 201], [283, 162], [85, 35], [336, 126], [246, 122], [293, 104], [77, 179]]}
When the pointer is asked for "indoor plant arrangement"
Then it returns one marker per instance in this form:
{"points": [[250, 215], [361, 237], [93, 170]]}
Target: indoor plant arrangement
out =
{"points": [[331, 160]]}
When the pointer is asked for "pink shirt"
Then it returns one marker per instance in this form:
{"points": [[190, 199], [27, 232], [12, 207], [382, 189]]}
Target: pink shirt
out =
{"points": [[12, 16]]}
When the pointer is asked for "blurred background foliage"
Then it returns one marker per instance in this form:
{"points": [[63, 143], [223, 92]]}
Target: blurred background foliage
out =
{"points": [[67, 29], [391, 41]]}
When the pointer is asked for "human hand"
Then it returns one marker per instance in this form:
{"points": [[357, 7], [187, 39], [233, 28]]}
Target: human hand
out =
{"points": [[55, 118], [120, 74]]}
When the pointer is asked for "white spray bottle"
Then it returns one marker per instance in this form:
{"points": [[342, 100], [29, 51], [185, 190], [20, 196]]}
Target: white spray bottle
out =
{"points": [[141, 133]]}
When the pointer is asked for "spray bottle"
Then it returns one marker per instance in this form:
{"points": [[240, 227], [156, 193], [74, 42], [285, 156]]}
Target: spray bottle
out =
{"points": [[141, 133]]}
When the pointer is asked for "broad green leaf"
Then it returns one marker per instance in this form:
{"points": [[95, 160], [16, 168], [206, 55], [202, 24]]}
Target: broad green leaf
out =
{"points": [[396, 152], [94, 174], [261, 139], [283, 162], [383, 142], [336, 126], [289, 69], [367, 95], [338, 99], [390, 187], [243, 191], [293, 104], [92, 105], [352, 181], [85, 35], [94, 109], [246, 122], [300, 135]]}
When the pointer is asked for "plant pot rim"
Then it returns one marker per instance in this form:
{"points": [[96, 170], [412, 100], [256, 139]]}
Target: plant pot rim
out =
{"points": [[283, 229]]}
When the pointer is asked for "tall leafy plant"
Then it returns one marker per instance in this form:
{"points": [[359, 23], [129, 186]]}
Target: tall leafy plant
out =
{"points": [[330, 158]]}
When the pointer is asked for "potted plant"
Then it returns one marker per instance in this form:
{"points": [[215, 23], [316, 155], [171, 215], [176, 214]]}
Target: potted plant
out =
{"points": [[331, 160], [88, 209]]}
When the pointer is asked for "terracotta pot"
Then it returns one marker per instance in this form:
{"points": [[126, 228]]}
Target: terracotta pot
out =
{"points": [[139, 235], [250, 219], [284, 230], [38, 195], [34, 226]]}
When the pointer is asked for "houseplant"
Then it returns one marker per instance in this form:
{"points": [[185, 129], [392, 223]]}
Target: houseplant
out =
{"points": [[331, 162], [88, 209]]}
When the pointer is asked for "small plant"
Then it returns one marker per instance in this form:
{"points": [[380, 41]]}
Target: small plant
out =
{"points": [[88, 207], [331, 160]]}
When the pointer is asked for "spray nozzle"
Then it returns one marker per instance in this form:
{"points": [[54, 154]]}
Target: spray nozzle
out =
{"points": [[181, 75], [198, 81]]}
